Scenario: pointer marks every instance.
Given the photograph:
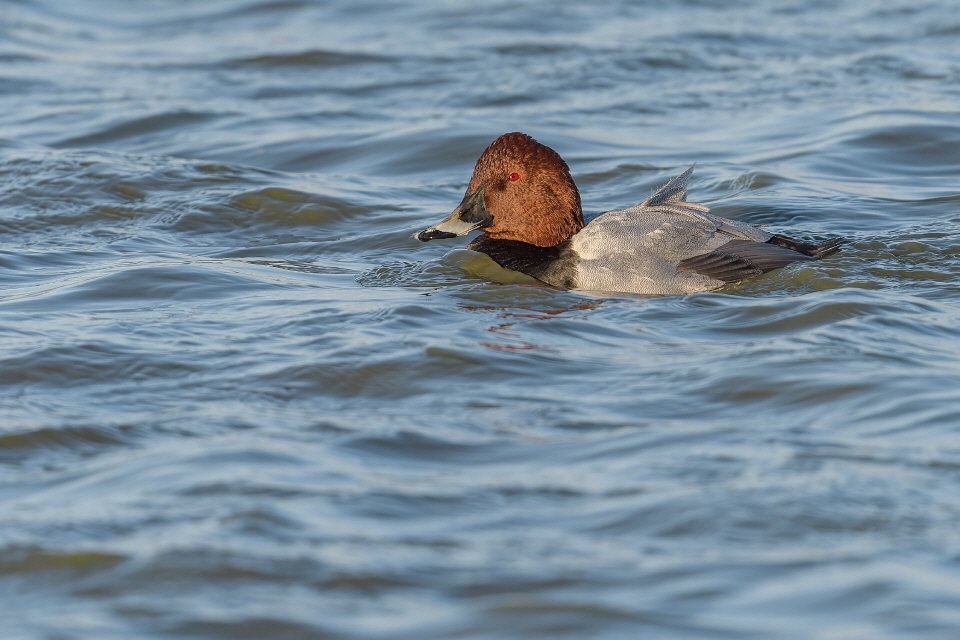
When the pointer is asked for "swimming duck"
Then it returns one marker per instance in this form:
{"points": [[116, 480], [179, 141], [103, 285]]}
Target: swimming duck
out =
{"points": [[524, 201]]}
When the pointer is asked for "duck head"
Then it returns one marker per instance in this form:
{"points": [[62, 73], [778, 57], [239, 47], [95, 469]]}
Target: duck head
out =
{"points": [[520, 190]]}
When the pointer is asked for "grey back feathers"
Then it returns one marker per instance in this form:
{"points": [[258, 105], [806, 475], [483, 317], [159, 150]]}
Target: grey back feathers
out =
{"points": [[666, 245]]}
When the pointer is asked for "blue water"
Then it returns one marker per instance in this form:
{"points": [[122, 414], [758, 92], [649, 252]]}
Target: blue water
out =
{"points": [[239, 400]]}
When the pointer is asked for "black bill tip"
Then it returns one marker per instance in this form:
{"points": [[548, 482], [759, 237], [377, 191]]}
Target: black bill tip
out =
{"points": [[434, 234]]}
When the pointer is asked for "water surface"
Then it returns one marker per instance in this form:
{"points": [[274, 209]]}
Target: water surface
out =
{"points": [[238, 400]]}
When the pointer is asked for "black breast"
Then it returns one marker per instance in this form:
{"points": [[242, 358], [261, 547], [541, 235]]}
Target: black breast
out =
{"points": [[553, 265]]}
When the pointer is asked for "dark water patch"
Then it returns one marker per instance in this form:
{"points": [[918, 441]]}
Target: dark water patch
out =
{"points": [[363, 373], [79, 364], [18, 57], [944, 29], [275, 205], [19, 84], [18, 446], [268, 218], [221, 489], [413, 447], [312, 58], [524, 49], [270, 7], [396, 154], [898, 67], [162, 284], [927, 149], [36, 561], [177, 567], [511, 99], [252, 628], [139, 128], [669, 60], [796, 314]]}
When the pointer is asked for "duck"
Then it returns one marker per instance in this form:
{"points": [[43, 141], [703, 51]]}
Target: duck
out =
{"points": [[523, 200]]}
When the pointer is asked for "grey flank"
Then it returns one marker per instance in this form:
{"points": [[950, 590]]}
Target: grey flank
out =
{"points": [[666, 245]]}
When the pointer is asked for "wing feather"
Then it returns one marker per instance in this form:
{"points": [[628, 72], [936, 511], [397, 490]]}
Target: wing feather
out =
{"points": [[739, 259], [670, 197]]}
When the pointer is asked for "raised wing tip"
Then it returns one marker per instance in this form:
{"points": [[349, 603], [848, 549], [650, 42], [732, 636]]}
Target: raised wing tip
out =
{"points": [[675, 190]]}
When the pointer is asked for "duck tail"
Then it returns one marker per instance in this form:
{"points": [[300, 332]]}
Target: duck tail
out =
{"points": [[815, 251]]}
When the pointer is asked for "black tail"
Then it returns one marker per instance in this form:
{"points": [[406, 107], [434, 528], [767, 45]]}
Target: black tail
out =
{"points": [[815, 251]]}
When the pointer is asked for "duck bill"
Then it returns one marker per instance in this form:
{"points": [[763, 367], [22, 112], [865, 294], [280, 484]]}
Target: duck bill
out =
{"points": [[471, 214], [452, 227]]}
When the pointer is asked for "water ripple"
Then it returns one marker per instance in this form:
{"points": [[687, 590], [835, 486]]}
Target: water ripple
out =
{"points": [[240, 400]]}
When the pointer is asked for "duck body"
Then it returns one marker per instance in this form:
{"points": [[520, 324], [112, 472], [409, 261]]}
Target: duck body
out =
{"points": [[523, 199]]}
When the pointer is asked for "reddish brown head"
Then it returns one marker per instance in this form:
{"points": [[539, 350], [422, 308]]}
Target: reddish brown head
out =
{"points": [[520, 190]]}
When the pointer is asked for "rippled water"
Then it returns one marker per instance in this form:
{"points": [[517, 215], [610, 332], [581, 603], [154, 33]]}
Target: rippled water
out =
{"points": [[240, 401]]}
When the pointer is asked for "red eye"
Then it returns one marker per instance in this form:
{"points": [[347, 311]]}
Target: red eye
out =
{"points": [[514, 177]]}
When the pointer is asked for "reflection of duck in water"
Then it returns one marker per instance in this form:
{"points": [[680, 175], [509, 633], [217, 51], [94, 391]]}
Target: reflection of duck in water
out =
{"points": [[523, 199]]}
